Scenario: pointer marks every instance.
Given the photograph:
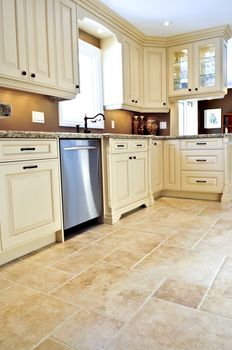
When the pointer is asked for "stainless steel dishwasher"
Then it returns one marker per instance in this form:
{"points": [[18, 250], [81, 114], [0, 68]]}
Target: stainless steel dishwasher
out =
{"points": [[81, 180]]}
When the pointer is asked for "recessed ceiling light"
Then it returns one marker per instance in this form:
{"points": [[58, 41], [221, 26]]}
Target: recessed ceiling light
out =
{"points": [[100, 31], [166, 23]]}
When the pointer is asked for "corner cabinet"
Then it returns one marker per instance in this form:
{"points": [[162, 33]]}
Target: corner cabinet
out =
{"points": [[126, 174], [31, 41], [30, 204], [155, 86], [198, 69]]}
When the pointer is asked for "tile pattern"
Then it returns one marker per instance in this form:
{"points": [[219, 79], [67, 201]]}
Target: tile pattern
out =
{"points": [[158, 279]]}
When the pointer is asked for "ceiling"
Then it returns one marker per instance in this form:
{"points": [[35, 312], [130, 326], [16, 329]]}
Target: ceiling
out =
{"points": [[184, 15]]}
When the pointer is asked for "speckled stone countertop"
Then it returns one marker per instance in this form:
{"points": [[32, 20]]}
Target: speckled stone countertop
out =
{"points": [[55, 135]]}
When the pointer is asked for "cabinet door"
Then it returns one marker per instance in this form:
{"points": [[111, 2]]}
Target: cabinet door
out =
{"points": [[155, 87], [66, 40], [132, 73], [157, 166], [208, 65], [120, 180], [172, 165], [41, 41], [30, 201], [180, 70], [139, 176], [12, 39]]}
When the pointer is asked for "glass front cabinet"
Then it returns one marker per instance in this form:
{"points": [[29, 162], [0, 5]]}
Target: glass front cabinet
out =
{"points": [[198, 68]]}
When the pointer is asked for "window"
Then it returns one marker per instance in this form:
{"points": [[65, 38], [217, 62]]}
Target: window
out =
{"points": [[90, 99]]}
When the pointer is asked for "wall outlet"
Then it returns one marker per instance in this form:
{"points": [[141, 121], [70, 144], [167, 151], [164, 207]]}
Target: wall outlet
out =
{"points": [[37, 117], [163, 125], [112, 124]]}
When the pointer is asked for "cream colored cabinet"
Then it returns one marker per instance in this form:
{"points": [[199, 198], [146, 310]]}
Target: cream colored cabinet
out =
{"points": [[155, 86], [132, 60], [156, 165], [30, 205], [198, 68], [172, 165], [126, 176], [33, 50]]}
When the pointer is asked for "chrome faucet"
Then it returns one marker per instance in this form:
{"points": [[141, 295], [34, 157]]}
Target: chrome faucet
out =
{"points": [[86, 130]]}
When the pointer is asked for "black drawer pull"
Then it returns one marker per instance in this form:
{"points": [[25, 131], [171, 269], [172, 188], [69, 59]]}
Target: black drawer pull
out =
{"points": [[155, 143], [27, 149], [30, 167], [200, 160], [201, 143], [139, 145], [130, 157], [134, 157], [120, 146], [201, 181]]}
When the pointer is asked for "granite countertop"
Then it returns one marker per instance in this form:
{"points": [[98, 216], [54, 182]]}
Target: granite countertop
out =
{"points": [[55, 135]]}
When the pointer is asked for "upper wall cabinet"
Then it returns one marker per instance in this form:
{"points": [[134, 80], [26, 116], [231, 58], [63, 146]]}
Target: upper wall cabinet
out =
{"points": [[32, 49], [155, 86], [132, 59], [198, 69]]}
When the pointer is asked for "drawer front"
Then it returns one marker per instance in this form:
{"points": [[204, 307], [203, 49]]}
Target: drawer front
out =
{"points": [[197, 181], [202, 160], [13, 150], [139, 145], [120, 146], [207, 143]]}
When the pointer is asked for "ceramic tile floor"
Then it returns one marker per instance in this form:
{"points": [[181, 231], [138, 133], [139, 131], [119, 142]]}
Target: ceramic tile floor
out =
{"points": [[160, 279]]}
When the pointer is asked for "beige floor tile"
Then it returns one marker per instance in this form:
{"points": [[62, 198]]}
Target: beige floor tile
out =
{"points": [[219, 299], [207, 246], [81, 261], [52, 344], [34, 275], [87, 330], [182, 264], [181, 293], [166, 326], [216, 211], [4, 284], [123, 258]]}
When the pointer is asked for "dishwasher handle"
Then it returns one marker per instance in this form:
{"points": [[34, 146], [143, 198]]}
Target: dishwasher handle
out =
{"points": [[79, 148]]}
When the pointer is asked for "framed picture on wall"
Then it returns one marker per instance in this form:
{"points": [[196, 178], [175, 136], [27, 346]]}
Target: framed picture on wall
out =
{"points": [[212, 118]]}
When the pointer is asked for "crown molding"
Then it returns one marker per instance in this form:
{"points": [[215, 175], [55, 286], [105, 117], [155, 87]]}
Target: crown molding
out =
{"points": [[113, 21]]}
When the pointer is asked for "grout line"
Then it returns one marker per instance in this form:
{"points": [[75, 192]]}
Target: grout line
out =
{"points": [[205, 234], [212, 282], [135, 313]]}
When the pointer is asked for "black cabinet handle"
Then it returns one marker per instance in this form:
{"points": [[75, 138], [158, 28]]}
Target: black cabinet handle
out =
{"points": [[136, 101], [134, 157], [200, 160], [196, 89], [189, 89], [155, 144], [33, 75], [201, 143], [132, 100], [201, 181], [139, 145], [27, 149], [77, 86], [30, 167], [164, 103], [120, 146], [24, 72], [130, 157]]}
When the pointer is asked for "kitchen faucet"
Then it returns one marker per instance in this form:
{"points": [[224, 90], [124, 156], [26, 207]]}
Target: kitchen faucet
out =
{"points": [[86, 130]]}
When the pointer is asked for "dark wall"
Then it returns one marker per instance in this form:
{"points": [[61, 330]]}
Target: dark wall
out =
{"points": [[224, 103]]}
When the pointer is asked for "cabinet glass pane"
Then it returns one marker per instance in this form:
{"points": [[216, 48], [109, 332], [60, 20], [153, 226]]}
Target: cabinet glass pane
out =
{"points": [[207, 68], [180, 69]]}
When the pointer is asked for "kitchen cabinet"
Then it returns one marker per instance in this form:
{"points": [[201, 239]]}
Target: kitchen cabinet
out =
{"points": [[34, 55], [172, 165], [155, 85], [30, 206], [126, 177], [227, 123], [132, 73], [198, 69], [156, 166]]}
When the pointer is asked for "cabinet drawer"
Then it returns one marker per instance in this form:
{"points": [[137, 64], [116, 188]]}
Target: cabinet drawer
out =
{"points": [[207, 143], [139, 145], [120, 146], [198, 181], [12, 149], [202, 160]]}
